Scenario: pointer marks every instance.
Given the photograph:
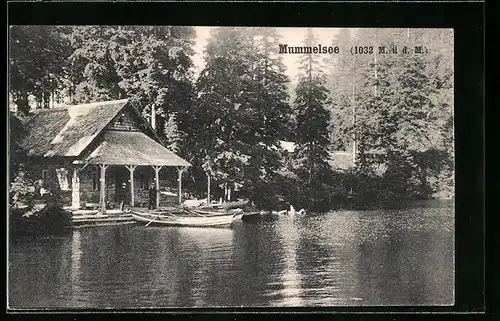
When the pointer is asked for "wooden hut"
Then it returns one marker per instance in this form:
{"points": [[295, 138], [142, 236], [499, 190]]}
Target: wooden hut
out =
{"points": [[95, 151]]}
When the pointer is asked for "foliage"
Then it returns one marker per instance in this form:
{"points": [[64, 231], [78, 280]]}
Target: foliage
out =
{"points": [[241, 108], [22, 189], [341, 81], [51, 219], [151, 65], [16, 130], [173, 138], [312, 134], [219, 99], [400, 115], [37, 56], [392, 110], [25, 188], [93, 71]]}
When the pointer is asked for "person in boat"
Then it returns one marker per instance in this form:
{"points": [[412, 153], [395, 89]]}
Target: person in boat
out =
{"points": [[292, 211], [152, 196]]}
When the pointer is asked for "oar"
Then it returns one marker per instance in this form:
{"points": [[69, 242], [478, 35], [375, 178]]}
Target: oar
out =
{"points": [[154, 218]]}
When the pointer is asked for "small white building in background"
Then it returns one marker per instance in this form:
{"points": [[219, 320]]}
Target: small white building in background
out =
{"points": [[338, 159], [288, 146]]}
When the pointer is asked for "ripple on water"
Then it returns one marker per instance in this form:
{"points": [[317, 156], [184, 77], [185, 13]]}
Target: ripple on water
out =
{"points": [[401, 257]]}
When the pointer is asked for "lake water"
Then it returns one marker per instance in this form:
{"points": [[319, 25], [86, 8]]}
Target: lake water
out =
{"points": [[397, 257]]}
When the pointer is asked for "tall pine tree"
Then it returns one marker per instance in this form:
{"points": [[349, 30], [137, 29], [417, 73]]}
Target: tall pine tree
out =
{"points": [[243, 108], [341, 82], [313, 118], [398, 117], [221, 103], [267, 102]]}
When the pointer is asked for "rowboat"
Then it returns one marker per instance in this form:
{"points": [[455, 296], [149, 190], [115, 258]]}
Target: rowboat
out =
{"points": [[166, 219], [221, 206], [213, 212], [257, 216]]}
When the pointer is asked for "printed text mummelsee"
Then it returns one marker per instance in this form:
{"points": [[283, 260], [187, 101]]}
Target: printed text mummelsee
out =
{"points": [[319, 49]]}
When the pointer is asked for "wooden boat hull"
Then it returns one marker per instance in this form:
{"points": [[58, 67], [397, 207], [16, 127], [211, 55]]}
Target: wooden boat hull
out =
{"points": [[186, 221], [250, 217], [225, 206], [213, 212]]}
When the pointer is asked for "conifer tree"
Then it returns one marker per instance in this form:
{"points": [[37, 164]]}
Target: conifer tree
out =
{"points": [[267, 97], [221, 102], [173, 138], [342, 82], [243, 108], [312, 135], [398, 120]]}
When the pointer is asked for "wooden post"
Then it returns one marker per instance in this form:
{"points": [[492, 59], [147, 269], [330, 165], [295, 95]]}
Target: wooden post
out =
{"points": [[75, 189], [103, 188], [131, 168], [157, 179], [208, 188], [180, 170]]}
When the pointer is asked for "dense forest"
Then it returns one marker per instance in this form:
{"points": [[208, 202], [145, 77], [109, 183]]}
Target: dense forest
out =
{"points": [[393, 112]]}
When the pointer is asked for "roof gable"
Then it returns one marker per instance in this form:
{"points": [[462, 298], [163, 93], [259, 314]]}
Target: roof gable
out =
{"points": [[126, 120], [138, 122], [120, 147], [68, 131]]}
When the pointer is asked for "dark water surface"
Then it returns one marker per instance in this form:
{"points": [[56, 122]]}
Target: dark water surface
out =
{"points": [[400, 257]]}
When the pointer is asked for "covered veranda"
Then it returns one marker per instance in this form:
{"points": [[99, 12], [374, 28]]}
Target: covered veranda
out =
{"points": [[130, 149]]}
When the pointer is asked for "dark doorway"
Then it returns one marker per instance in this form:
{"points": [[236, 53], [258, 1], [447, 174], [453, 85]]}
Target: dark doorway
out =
{"points": [[122, 186]]}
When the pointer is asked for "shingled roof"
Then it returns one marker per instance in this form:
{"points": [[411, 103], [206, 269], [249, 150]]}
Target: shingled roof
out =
{"points": [[133, 148], [67, 131]]}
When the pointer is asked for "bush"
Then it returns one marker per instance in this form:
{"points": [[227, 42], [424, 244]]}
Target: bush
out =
{"points": [[51, 219], [268, 196], [25, 218], [22, 189]]}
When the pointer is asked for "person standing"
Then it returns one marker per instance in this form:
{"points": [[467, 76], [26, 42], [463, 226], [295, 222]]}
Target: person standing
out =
{"points": [[152, 196], [122, 195]]}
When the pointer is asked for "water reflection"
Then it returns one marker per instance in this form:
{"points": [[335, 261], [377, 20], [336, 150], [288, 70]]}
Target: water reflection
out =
{"points": [[257, 259], [328, 272], [288, 276], [209, 253], [77, 295], [337, 259]]}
